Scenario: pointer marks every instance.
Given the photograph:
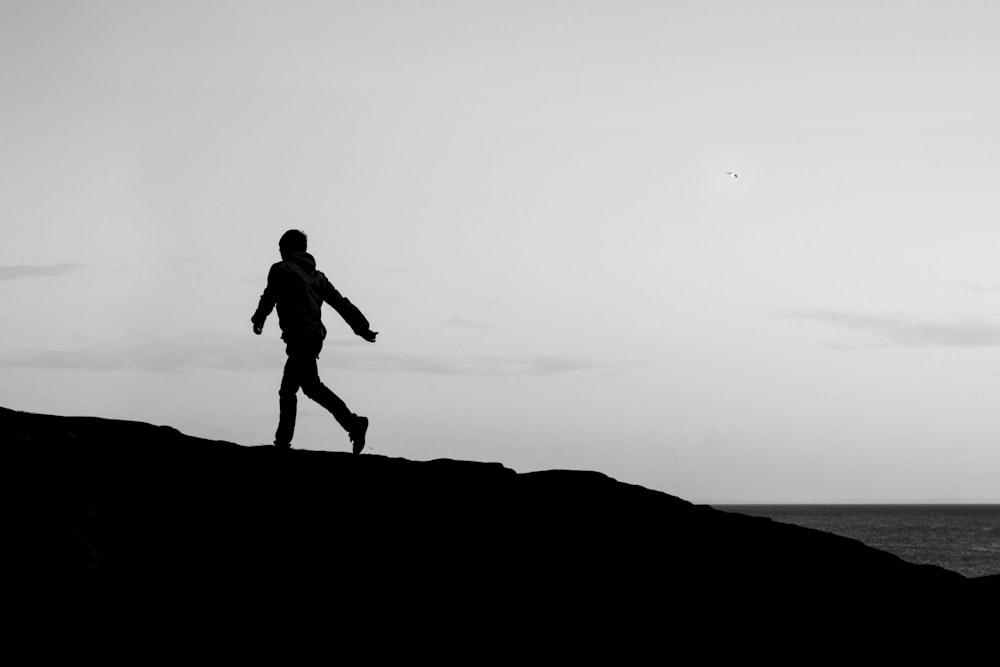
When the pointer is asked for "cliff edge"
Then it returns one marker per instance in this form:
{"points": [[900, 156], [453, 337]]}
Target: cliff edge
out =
{"points": [[95, 505]]}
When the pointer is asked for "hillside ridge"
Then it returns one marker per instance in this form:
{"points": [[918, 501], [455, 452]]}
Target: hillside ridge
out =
{"points": [[97, 504]]}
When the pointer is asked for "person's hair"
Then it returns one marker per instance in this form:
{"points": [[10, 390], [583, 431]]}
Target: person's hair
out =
{"points": [[293, 241]]}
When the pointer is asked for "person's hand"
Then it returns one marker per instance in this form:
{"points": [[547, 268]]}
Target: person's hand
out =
{"points": [[257, 329], [369, 335]]}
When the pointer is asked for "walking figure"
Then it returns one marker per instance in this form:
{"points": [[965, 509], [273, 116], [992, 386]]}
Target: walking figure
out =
{"points": [[299, 290]]}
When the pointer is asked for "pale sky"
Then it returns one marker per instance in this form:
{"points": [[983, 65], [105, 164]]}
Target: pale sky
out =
{"points": [[529, 201]]}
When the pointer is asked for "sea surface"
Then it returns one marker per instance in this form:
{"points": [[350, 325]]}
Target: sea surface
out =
{"points": [[961, 538]]}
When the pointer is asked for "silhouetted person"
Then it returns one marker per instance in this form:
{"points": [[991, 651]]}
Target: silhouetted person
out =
{"points": [[299, 290]]}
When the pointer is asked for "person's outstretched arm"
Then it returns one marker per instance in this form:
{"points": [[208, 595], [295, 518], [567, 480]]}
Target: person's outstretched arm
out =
{"points": [[351, 314], [267, 301]]}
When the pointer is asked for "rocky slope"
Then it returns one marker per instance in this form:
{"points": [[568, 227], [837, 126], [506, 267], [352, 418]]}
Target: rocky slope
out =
{"points": [[93, 507]]}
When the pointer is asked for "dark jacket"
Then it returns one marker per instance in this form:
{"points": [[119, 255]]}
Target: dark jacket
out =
{"points": [[299, 290]]}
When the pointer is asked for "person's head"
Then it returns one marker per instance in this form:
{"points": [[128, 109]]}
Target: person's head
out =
{"points": [[291, 242]]}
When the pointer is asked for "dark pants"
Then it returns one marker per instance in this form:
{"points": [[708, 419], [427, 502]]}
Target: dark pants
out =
{"points": [[301, 371]]}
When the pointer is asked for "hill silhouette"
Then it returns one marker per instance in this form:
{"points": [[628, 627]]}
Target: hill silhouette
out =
{"points": [[95, 505]]}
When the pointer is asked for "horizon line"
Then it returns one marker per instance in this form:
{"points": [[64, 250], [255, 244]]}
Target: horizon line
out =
{"points": [[911, 501]]}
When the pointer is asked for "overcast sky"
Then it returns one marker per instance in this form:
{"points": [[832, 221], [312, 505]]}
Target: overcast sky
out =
{"points": [[529, 201]]}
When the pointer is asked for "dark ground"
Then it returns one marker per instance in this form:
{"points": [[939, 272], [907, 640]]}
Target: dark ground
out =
{"points": [[155, 520]]}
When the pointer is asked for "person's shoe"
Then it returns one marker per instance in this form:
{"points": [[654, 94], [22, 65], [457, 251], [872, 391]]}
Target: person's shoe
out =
{"points": [[357, 434]]}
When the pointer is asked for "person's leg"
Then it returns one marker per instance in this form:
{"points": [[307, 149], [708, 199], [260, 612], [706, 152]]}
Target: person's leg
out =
{"points": [[287, 402], [314, 388], [355, 425]]}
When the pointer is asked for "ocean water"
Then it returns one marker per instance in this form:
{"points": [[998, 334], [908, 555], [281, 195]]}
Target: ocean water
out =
{"points": [[961, 538]]}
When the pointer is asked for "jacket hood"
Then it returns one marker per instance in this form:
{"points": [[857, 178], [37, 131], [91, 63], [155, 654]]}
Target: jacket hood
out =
{"points": [[305, 261]]}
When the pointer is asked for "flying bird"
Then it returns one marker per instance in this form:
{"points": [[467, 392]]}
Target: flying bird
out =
{"points": [[732, 174]]}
